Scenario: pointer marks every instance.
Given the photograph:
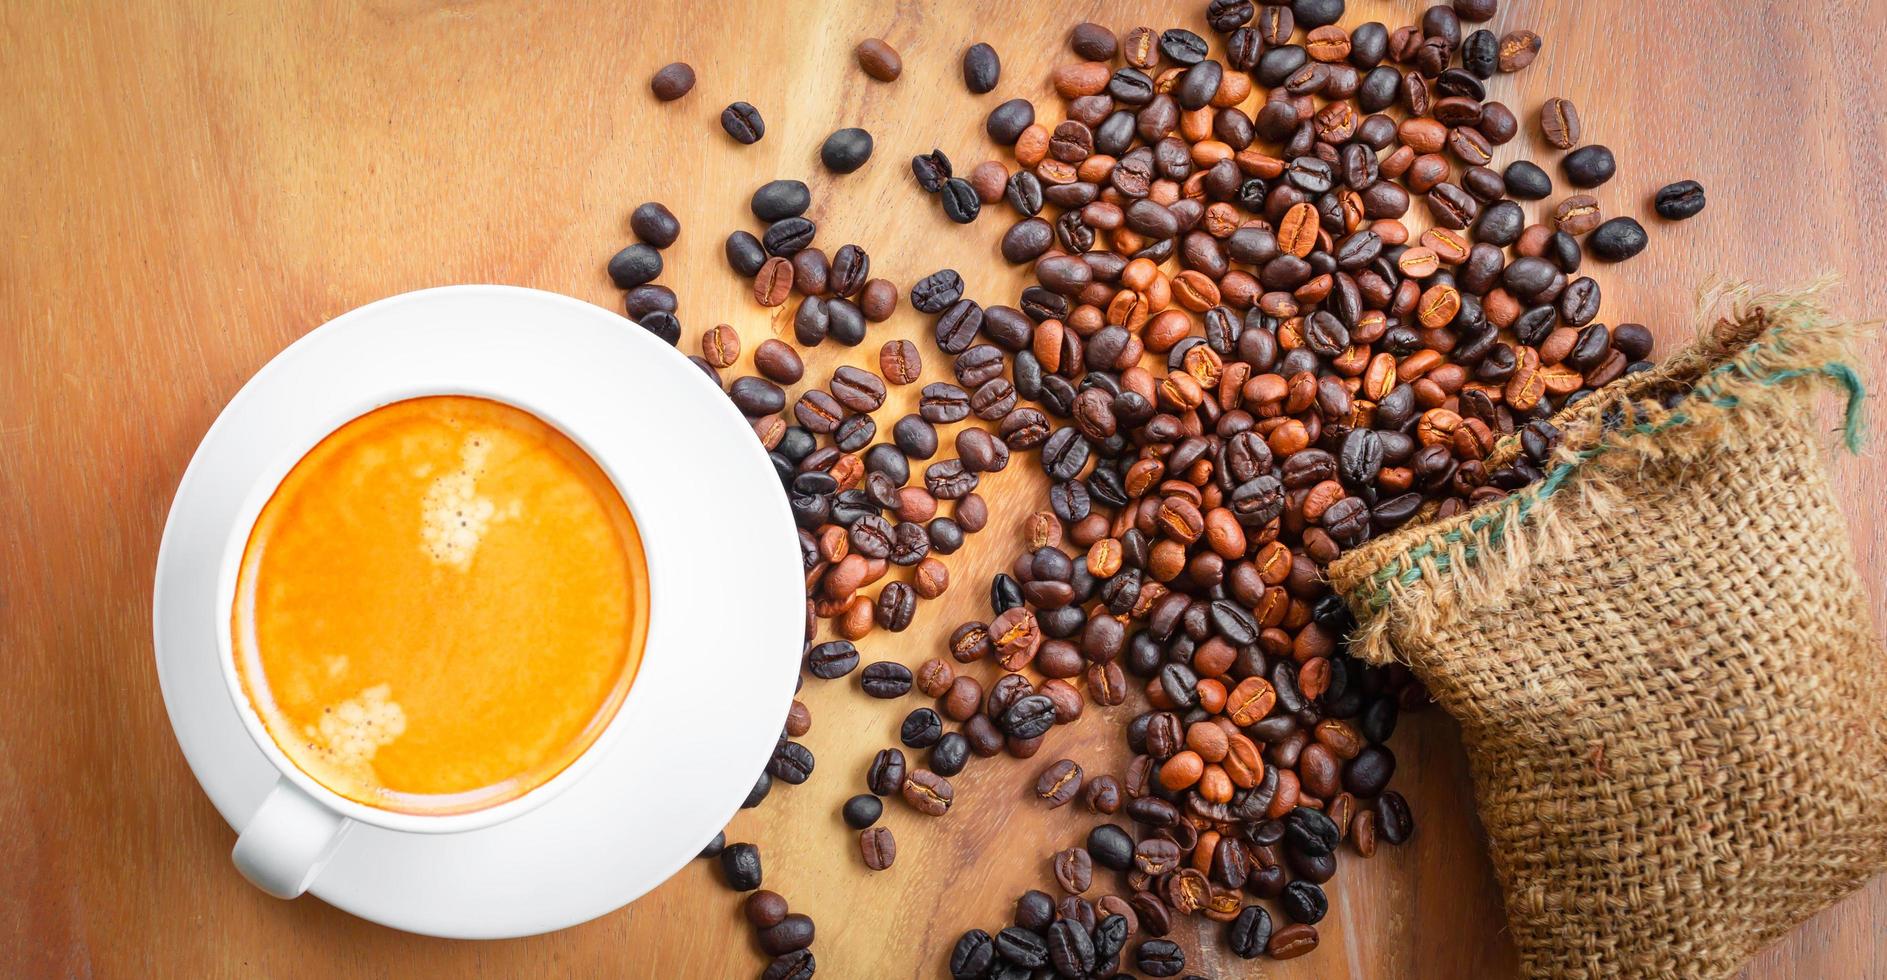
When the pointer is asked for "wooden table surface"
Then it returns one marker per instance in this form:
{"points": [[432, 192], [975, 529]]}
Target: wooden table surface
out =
{"points": [[187, 187]]}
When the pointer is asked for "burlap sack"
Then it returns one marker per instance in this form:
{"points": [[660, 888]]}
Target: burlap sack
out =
{"points": [[1670, 692]]}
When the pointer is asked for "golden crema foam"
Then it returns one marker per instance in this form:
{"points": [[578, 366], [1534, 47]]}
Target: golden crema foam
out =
{"points": [[441, 606]]}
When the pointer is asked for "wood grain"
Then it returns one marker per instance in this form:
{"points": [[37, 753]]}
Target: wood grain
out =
{"points": [[187, 187]]}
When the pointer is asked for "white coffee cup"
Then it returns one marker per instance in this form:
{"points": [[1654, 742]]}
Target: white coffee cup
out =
{"points": [[300, 824]]}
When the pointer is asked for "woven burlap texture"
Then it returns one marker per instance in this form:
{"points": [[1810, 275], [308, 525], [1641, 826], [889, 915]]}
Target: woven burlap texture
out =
{"points": [[1668, 685]]}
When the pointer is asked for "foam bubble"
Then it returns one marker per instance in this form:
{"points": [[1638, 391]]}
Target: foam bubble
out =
{"points": [[349, 733], [453, 515]]}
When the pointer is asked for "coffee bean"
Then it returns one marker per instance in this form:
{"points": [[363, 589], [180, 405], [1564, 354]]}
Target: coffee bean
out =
{"points": [[885, 776], [1292, 941], [742, 121], [878, 59], [1684, 199], [715, 846], [791, 933], [796, 965], [927, 792], [982, 69], [1160, 958], [1526, 181], [663, 325], [862, 811], [1393, 821], [1617, 240], [740, 865], [950, 754], [972, 956], [1059, 783], [761, 787], [846, 150], [1250, 932], [635, 265], [877, 846], [672, 81], [778, 361], [885, 679], [654, 224], [832, 659], [787, 236], [1007, 121], [937, 292], [878, 300], [1028, 718], [1589, 166], [931, 170], [746, 256], [1074, 870], [777, 200], [765, 909], [792, 763], [961, 203], [1518, 49], [1559, 123]]}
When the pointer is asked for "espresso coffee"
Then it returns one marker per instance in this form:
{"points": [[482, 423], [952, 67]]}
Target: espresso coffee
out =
{"points": [[441, 607]]}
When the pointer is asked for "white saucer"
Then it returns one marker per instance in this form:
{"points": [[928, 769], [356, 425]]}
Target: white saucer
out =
{"points": [[724, 636]]}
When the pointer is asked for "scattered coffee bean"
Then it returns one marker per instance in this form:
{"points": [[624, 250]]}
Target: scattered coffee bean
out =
{"points": [[672, 81], [635, 265], [846, 150], [879, 60], [878, 847], [982, 69], [1559, 123], [654, 224], [1059, 783], [1617, 240], [927, 792], [740, 864], [1589, 166], [1684, 199], [742, 121], [885, 679]]}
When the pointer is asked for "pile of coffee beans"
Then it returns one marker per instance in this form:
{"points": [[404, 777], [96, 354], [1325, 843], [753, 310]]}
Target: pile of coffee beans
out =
{"points": [[1244, 352]]}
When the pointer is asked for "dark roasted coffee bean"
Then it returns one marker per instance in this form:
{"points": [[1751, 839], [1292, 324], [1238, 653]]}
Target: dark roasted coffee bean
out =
{"points": [[960, 201], [1393, 821], [862, 811], [1526, 181], [921, 729], [1304, 902], [742, 121], [1589, 166], [1027, 718], [1111, 847], [972, 956], [792, 763], [793, 932], [1021, 947], [714, 847], [663, 324], [787, 236], [655, 224], [745, 255], [950, 754], [846, 150], [795, 965], [931, 170], [740, 865], [885, 776], [832, 659], [633, 266], [1310, 831], [936, 292], [1369, 772], [1160, 958], [1617, 240], [777, 200], [1007, 121], [1684, 199], [1071, 949], [981, 68]]}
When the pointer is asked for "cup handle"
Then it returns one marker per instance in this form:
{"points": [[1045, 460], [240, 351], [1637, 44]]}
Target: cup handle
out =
{"points": [[288, 841]]}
